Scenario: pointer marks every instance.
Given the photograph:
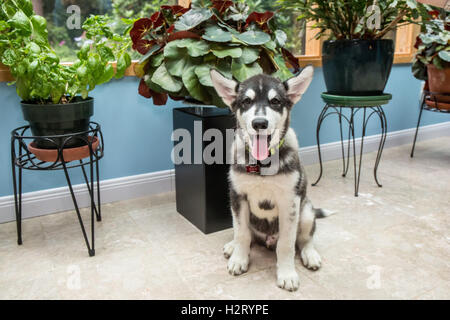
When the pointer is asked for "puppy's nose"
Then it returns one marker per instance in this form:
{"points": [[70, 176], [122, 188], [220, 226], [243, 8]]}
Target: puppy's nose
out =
{"points": [[260, 124]]}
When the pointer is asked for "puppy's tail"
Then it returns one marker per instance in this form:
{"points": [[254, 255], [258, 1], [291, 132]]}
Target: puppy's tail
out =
{"points": [[322, 213]]}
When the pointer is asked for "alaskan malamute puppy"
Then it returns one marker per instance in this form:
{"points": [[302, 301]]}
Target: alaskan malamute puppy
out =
{"points": [[268, 206]]}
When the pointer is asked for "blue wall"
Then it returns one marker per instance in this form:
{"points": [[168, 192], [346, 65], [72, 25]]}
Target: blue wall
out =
{"points": [[137, 134]]}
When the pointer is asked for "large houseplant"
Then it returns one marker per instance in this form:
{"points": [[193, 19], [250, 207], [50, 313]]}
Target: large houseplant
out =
{"points": [[54, 96], [432, 59], [179, 46], [356, 58]]}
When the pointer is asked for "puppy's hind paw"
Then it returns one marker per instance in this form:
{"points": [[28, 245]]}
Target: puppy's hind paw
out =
{"points": [[228, 249], [288, 280]]}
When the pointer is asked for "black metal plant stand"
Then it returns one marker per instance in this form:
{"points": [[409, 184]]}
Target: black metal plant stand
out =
{"points": [[369, 106], [23, 159], [433, 106]]}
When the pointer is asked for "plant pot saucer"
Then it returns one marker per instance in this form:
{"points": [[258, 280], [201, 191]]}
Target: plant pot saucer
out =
{"points": [[69, 154], [438, 105]]}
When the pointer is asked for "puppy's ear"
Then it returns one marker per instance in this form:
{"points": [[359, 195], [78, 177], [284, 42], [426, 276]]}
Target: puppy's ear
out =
{"points": [[226, 88], [297, 86]]}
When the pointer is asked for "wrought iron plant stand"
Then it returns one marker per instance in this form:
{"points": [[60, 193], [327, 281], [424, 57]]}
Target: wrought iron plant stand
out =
{"points": [[25, 155]]}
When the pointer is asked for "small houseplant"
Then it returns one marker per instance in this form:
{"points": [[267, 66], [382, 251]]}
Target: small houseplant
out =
{"points": [[432, 59], [179, 46], [356, 58], [54, 96]]}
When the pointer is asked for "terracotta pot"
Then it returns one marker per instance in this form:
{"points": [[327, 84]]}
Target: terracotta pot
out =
{"points": [[439, 81], [69, 154], [437, 105]]}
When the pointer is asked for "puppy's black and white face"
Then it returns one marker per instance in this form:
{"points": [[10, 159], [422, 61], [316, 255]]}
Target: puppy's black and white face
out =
{"points": [[262, 105]]}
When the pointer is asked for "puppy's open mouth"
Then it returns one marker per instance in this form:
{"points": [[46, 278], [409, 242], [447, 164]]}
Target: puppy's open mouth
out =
{"points": [[260, 146]]}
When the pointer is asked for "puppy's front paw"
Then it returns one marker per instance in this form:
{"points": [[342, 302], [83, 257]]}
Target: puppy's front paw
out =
{"points": [[237, 264], [228, 249], [288, 280], [311, 258]]}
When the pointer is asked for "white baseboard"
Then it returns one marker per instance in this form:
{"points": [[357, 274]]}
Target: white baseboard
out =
{"points": [[333, 151], [59, 199], [56, 200]]}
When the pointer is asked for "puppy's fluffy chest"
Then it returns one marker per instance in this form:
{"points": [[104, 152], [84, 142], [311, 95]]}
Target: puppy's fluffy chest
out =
{"points": [[264, 193]]}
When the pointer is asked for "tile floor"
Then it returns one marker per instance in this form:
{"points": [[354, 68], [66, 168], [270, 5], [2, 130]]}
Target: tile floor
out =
{"points": [[389, 243]]}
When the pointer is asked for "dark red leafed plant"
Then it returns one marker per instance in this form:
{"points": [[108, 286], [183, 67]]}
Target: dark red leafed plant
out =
{"points": [[181, 45]]}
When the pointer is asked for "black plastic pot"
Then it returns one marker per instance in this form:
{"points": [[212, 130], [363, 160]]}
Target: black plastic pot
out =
{"points": [[202, 191], [59, 119], [357, 67]]}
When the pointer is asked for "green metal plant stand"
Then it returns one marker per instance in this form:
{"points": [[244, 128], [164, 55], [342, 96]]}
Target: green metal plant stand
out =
{"points": [[369, 105]]}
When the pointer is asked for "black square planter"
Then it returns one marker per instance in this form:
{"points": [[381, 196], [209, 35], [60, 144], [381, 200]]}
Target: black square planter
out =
{"points": [[202, 192]]}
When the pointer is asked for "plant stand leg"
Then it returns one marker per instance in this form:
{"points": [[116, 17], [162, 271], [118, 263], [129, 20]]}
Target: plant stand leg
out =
{"points": [[91, 250], [418, 125], [358, 177], [99, 204], [383, 120], [319, 124], [91, 193], [17, 200]]}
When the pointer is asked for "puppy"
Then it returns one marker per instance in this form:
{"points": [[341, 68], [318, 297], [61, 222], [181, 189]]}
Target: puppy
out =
{"points": [[267, 182]]}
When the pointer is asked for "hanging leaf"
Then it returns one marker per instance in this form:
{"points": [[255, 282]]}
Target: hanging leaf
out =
{"points": [[163, 78], [260, 19], [176, 66], [195, 48], [253, 37], [217, 34], [182, 35], [224, 67], [249, 55], [243, 71], [193, 85], [203, 74], [150, 52], [221, 6], [225, 51], [123, 63], [21, 23], [193, 18], [156, 60], [39, 33], [140, 29], [281, 37], [289, 57], [140, 69], [444, 55]]}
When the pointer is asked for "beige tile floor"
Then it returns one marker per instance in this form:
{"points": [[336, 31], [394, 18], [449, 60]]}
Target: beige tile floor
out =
{"points": [[389, 243]]}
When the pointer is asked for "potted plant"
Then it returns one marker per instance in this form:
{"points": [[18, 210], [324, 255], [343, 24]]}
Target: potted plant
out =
{"points": [[179, 47], [55, 97], [357, 58], [432, 59]]}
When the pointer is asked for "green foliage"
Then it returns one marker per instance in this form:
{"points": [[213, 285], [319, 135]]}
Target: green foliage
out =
{"points": [[347, 19], [181, 46], [40, 77], [433, 46], [136, 8]]}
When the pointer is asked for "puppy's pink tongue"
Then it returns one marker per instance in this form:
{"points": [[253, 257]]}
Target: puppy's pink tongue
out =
{"points": [[260, 150]]}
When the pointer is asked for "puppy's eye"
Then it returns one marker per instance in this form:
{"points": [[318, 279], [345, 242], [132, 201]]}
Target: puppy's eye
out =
{"points": [[247, 101], [275, 101]]}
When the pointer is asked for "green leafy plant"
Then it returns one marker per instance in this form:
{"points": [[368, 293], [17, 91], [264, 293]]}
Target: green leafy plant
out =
{"points": [[39, 76], [355, 19], [179, 47], [433, 46]]}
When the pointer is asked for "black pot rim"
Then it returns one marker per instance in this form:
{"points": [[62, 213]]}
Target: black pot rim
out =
{"points": [[81, 101], [358, 40]]}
